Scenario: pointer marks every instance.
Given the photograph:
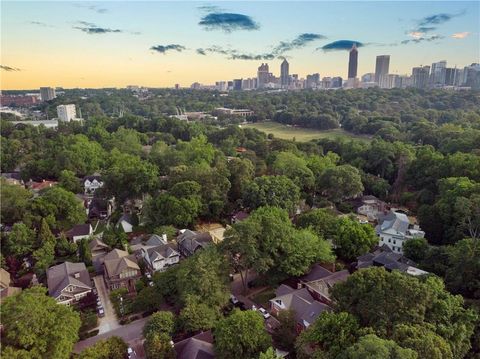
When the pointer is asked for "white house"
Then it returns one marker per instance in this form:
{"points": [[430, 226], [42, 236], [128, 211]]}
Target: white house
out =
{"points": [[157, 253], [68, 282], [92, 183], [125, 222], [394, 229]]}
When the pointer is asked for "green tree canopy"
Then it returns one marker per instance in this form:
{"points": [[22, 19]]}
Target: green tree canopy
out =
{"points": [[372, 347], [111, 348], [341, 182], [353, 238], [160, 322]]}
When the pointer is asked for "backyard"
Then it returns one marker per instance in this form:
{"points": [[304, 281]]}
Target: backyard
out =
{"points": [[300, 134]]}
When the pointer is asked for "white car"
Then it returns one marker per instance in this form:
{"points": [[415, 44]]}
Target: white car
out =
{"points": [[130, 352], [149, 276], [265, 314], [233, 299]]}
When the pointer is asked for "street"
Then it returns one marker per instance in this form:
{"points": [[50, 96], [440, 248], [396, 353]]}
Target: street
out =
{"points": [[109, 321], [130, 333]]}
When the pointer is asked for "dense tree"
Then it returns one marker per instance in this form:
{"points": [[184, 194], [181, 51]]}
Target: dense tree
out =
{"points": [[353, 239], [285, 334], [45, 254], [277, 191], [322, 221], [295, 168], [35, 326], [241, 335], [269, 354], [267, 241], [69, 181], [159, 346], [372, 347], [14, 203], [111, 348], [341, 182], [160, 322], [197, 316], [20, 241], [415, 249], [241, 171], [80, 156]]}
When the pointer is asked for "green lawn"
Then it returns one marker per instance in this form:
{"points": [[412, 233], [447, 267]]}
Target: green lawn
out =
{"points": [[301, 134], [264, 297]]}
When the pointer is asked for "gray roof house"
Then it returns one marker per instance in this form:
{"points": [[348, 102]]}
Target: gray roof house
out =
{"points": [[121, 270], [68, 282], [189, 241], [394, 229], [306, 308], [199, 346]]}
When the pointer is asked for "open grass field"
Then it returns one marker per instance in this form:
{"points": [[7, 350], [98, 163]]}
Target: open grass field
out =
{"points": [[301, 134]]}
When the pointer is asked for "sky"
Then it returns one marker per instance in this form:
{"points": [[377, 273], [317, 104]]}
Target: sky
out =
{"points": [[160, 43]]}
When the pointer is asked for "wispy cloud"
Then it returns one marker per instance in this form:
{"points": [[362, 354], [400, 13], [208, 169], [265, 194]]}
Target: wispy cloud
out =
{"points": [[460, 35], [39, 23], [163, 49], [228, 22], [299, 42], [93, 29], [95, 8], [340, 45], [233, 54], [431, 23], [9, 68], [422, 39]]}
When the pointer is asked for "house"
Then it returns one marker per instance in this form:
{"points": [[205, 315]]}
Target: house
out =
{"points": [[238, 217], [99, 208], [372, 208], [6, 289], [394, 229], [92, 183], [384, 257], [99, 250], [68, 282], [12, 178], [304, 305], [158, 254], [121, 270], [126, 223], [199, 346], [190, 242], [320, 288], [36, 187], [79, 232]]}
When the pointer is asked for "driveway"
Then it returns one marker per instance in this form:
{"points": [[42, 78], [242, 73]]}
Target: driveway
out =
{"points": [[109, 321], [130, 333]]}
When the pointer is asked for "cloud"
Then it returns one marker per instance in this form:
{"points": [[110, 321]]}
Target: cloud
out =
{"points": [[421, 39], [460, 35], [228, 22], [431, 22], [95, 8], [340, 45], [300, 41], [93, 29], [164, 48], [9, 68], [209, 8], [233, 54], [39, 23]]}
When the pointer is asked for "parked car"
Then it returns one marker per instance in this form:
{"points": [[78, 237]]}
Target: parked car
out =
{"points": [[265, 314], [151, 284], [241, 305], [130, 352], [101, 312], [149, 276], [233, 299]]}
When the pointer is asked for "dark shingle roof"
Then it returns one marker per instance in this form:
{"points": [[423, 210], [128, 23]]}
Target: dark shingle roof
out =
{"points": [[199, 346], [62, 275], [79, 230]]}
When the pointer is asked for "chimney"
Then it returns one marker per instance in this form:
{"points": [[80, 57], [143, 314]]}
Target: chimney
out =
{"points": [[76, 275], [164, 237]]}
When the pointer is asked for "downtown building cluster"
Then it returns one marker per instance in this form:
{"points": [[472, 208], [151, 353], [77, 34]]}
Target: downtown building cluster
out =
{"points": [[438, 75]]}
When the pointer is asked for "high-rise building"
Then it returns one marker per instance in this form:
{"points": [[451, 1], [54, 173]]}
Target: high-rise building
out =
{"points": [[472, 76], [336, 82], [47, 93], [381, 67], [221, 85], [437, 75], [353, 62], [312, 81], [369, 77], [237, 84], [262, 75], [420, 76], [66, 113], [284, 73], [451, 76]]}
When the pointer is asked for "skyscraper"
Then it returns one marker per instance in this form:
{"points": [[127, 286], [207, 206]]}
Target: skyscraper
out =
{"points": [[47, 93], [66, 113], [284, 75], [262, 75], [353, 62], [420, 76], [437, 76], [381, 67]]}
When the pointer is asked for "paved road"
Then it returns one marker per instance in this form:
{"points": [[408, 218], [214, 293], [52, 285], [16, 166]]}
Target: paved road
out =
{"points": [[130, 333], [109, 321]]}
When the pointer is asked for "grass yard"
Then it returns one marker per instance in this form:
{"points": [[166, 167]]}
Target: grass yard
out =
{"points": [[301, 134], [264, 297]]}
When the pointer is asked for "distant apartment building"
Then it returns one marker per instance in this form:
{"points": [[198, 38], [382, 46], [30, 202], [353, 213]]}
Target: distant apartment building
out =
{"points": [[263, 75], [420, 76], [26, 100], [249, 84], [47, 93], [312, 81], [66, 113], [221, 85], [234, 112], [438, 73], [237, 84]]}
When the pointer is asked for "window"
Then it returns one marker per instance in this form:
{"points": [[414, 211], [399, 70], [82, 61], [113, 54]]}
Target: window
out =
{"points": [[389, 240], [394, 242]]}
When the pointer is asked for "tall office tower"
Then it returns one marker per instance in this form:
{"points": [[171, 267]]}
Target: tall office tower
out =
{"points": [[472, 76], [66, 113], [420, 76], [437, 76], [353, 62], [336, 82], [381, 67], [47, 93], [262, 75], [284, 74], [369, 77], [451, 76], [221, 85]]}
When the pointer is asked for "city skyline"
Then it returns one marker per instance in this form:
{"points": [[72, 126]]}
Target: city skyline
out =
{"points": [[100, 44]]}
